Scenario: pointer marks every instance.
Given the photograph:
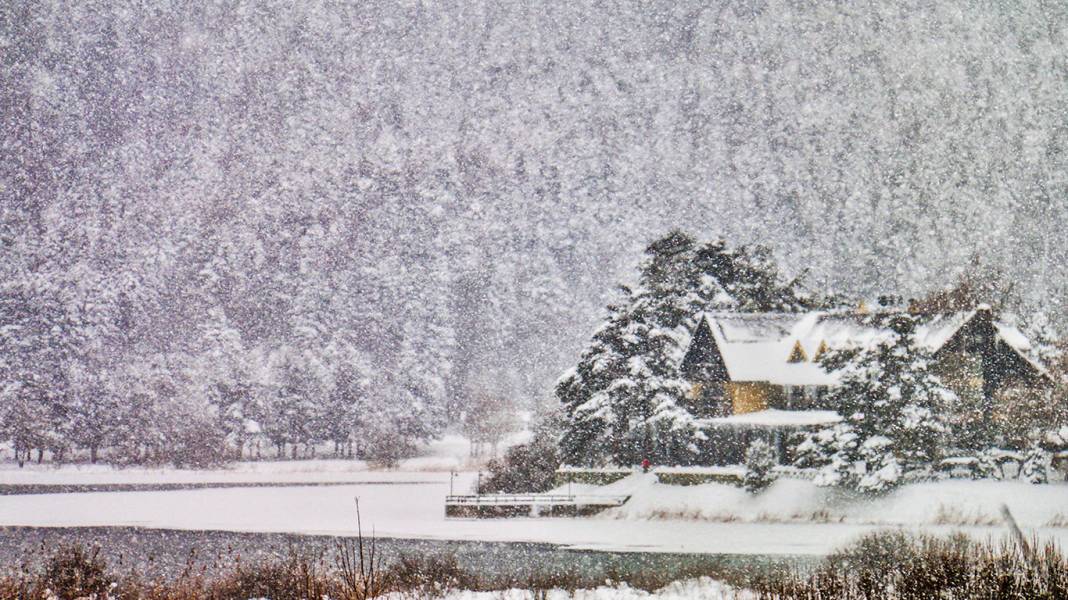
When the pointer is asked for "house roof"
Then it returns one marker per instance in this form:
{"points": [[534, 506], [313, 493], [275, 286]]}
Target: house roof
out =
{"points": [[757, 346]]}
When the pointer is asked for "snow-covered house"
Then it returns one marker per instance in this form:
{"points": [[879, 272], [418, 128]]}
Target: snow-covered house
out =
{"points": [[764, 370]]}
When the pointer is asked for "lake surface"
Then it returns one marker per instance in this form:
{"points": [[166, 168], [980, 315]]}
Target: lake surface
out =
{"points": [[167, 553]]}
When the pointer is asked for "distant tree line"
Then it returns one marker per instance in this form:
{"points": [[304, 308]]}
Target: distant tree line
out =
{"points": [[64, 388]]}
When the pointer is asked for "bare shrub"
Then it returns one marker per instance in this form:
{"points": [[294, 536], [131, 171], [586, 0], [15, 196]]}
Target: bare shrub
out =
{"points": [[74, 572], [431, 575]]}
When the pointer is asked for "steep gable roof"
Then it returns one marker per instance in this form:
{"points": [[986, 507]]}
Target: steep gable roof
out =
{"points": [[756, 346], [704, 355]]}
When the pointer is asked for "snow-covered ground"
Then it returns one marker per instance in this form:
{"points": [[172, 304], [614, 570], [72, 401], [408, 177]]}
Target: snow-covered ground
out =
{"points": [[441, 456], [793, 517], [705, 588], [953, 502]]}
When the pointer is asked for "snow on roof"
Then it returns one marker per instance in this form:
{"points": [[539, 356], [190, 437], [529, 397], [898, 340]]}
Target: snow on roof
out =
{"points": [[1012, 336], [756, 346], [776, 418], [1019, 343], [766, 361], [753, 327], [934, 333]]}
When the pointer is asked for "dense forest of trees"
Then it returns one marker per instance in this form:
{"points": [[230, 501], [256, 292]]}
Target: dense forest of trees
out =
{"points": [[209, 212]]}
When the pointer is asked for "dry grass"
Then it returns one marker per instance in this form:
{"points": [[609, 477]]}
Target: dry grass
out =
{"points": [[74, 572], [954, 516], [696, 514], [882, 566], [899, 566]]}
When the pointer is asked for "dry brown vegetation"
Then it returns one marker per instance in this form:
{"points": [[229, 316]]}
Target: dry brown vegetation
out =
{"points": [[900, 566], [881, 566]]}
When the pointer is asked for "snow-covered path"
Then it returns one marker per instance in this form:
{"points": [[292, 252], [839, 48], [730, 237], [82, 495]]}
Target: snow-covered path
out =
{"points": [[415, 510]]}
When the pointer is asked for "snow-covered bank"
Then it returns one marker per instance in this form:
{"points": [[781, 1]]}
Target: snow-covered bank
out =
{"points": [[690, 589], [953, 502]]}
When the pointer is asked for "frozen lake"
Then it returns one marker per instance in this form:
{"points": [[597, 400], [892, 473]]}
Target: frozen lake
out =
{"points": [[167, 553]]}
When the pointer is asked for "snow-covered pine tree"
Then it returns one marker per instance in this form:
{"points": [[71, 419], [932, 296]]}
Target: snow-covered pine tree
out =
{"points": [[759, 461], [660, 428], [223, 376], [293, 406], [591, 392], [625, 400], [750, 278], [1046, 341], [833, 453], [893, 403], [1035, 467], [38, 340]]}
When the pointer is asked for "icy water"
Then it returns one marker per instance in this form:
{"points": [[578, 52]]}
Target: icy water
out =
{"points": [[167, 553]]}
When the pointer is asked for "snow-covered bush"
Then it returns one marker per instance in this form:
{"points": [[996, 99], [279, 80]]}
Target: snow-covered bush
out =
{"points": [[199, 444], [1035, 467], [832, 453], [759, 462], [529, 467], [988, 465], [882, 471]]}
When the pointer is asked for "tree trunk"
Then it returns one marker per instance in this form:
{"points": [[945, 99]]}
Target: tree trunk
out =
{"points": [[295, 450], [40, 455], [92, 454]]}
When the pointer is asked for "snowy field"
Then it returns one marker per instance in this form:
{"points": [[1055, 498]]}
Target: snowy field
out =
{"points": [[792, 517]]}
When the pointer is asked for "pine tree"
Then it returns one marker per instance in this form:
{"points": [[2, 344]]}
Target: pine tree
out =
{"points": [[1035, 467], [893, 404], [660, 427], [592, 393], [626, 399], [759, 461], [833, 453], [38, 342]]}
